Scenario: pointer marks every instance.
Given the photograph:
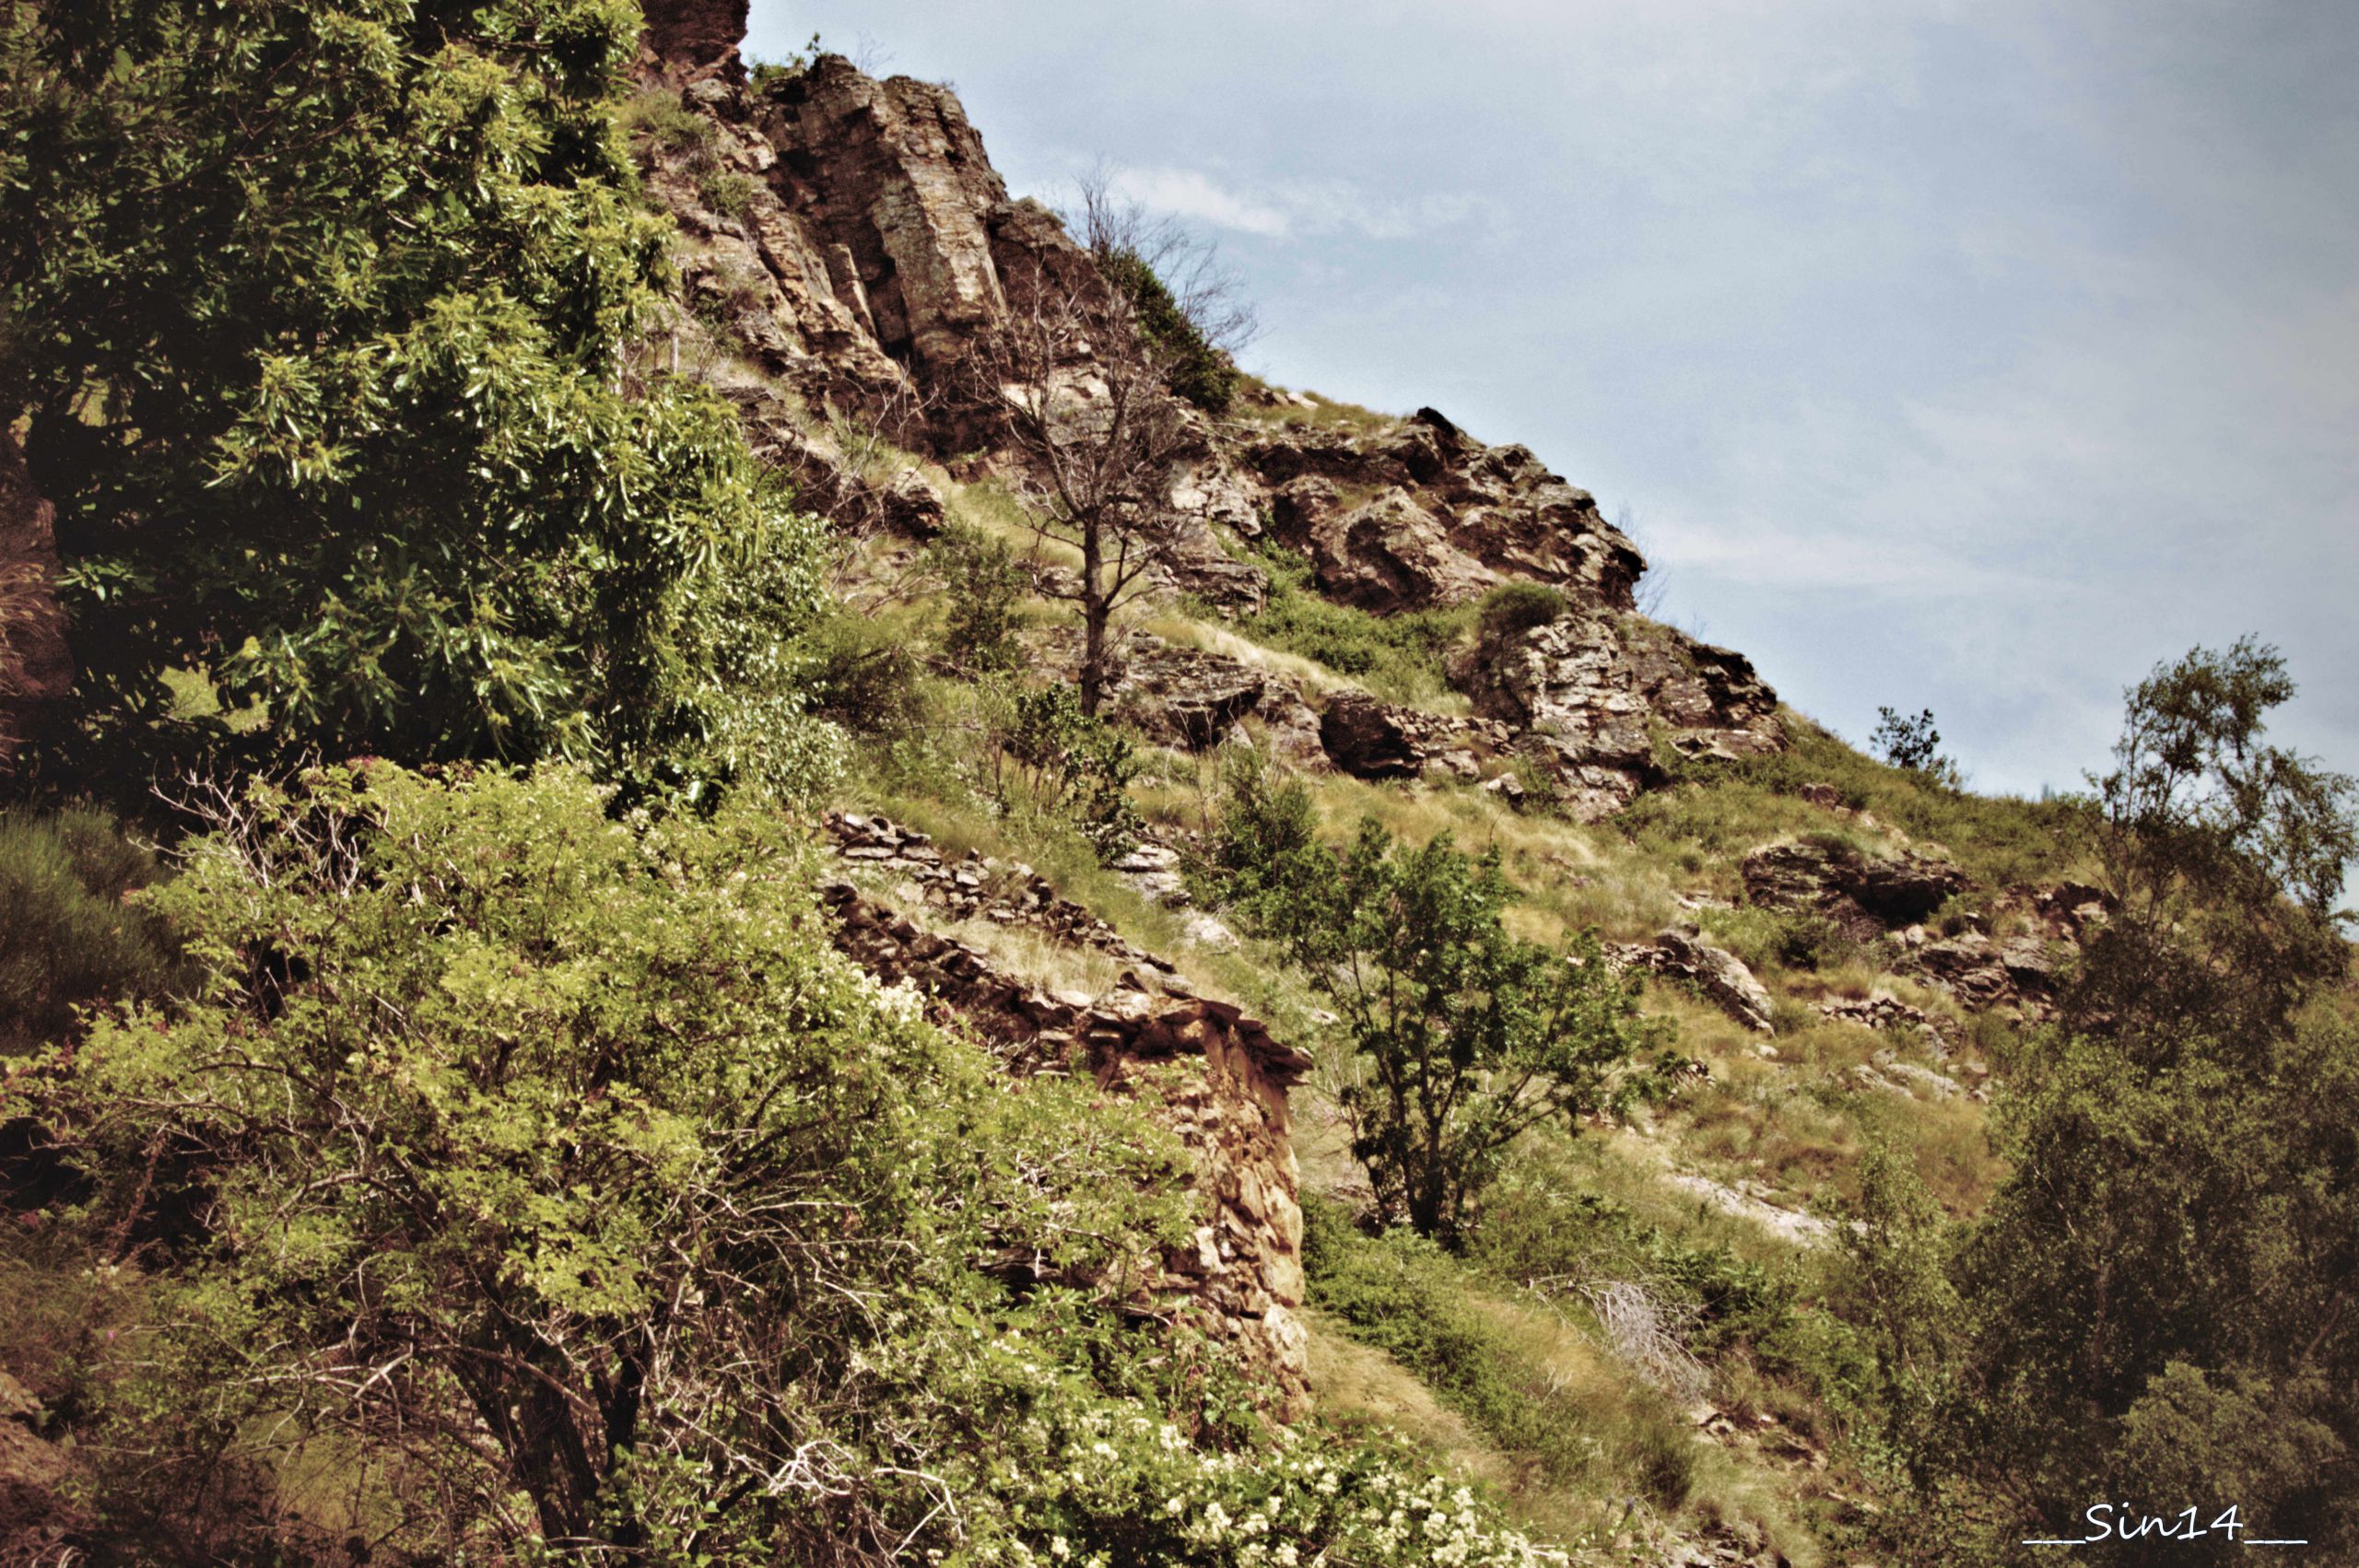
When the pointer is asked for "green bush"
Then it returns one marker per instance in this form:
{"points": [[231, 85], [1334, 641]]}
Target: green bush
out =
{"points": [[1538, 1225], [729, 192], [69, 936], [533, 1176], [1470, 1037], [374, 364], [1794, 938], [984, 587], [1266, 822], [1515, 607], [1048, 754], [865, 676], [1197, 370]]}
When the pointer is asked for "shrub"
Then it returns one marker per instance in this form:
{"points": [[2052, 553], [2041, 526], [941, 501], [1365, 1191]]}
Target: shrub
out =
{"points": [[69, 938], [1196, 369], [1470, 1037], [864, 675], [657, 116], [513, 1150], [1515, 607], [985, 587], [1048, 752], [729, 192], [1266, 822]]}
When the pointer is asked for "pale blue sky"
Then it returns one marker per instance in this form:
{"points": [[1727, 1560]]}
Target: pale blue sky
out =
{"points": [[1965, 355]]}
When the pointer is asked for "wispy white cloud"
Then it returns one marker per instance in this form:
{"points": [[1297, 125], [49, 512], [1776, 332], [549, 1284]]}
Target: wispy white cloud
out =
{"points": [[1195, 196], [1288, 209]]}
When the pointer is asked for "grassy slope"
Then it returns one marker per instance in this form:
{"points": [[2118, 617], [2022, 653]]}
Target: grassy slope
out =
{"points": [[1790, 1129]]}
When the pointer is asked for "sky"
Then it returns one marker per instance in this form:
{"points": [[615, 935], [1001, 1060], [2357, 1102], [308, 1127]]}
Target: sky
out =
{"points": [[1970, 357]]}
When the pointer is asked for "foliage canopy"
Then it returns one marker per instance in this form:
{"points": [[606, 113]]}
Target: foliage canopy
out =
{"points": [[316, 318]]}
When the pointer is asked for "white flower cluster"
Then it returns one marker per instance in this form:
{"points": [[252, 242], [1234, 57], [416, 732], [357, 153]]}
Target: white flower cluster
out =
{"points": [[1141, 1489]]}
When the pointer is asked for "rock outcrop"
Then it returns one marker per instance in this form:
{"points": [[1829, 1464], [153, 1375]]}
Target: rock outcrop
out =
{"points": [[1719, 977], [2018, 974], [1864, 893], [1417, 513], [1593, 689], [1886, 1013], [975, 887], [1372, 739], [1241, 1274], [853, 243], [696, 36]]}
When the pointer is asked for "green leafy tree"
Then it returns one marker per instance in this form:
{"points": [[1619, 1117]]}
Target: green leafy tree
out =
{"points": [[1267, 830], [1915, 744], [316, 319], [984, 587], [2165, 1281], [512, 1150], [1051, 755], [1469, 1036]]}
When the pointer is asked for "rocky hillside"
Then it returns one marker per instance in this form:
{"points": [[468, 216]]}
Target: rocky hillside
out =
{"points": [[714, 847], [861, 255], [1842, 945]]}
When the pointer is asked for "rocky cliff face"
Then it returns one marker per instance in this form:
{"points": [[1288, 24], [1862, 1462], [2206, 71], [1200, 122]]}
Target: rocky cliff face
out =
{"points": [[849, 242]]}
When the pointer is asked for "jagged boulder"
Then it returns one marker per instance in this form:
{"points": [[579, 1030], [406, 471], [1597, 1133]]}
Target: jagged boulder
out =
{"points": [[1185, 696], [892, 182], [696, 35], [2018, 973], [1719, 977], [1838, 879], [1386, 553], [1416, 512], [1884, 1012], [1592, 686], [1372, 739]]}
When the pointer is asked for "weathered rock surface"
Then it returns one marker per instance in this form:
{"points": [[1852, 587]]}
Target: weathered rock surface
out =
{"points": [[1592, 686], [1239, 1276], [1855, 888], [1372, 739], [1185, 696], [870, 246], [2021, 974], [1884, 1012], [1719, 977], [696, 35], [1418, 513], [974, 887]]}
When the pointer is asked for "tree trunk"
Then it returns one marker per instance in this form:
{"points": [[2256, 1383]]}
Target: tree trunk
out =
{"points": [[1095, 613], [36, 670]]}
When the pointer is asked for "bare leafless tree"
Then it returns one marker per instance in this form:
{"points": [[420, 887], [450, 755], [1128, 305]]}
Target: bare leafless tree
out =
{"points": [[1209, 293], [1080, 393]]}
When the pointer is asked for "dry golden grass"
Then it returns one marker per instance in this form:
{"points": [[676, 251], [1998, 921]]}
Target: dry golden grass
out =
{"points": [[1051, 965], [1352, 1381], [1188, 632]]}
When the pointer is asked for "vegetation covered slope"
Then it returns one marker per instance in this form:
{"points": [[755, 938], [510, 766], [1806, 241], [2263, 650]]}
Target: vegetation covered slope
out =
{"points": [[441, 1128]]}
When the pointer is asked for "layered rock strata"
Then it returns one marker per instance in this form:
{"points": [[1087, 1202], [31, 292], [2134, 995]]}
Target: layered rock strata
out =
{"points": [[1217, 1078], [1719, 977]]}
